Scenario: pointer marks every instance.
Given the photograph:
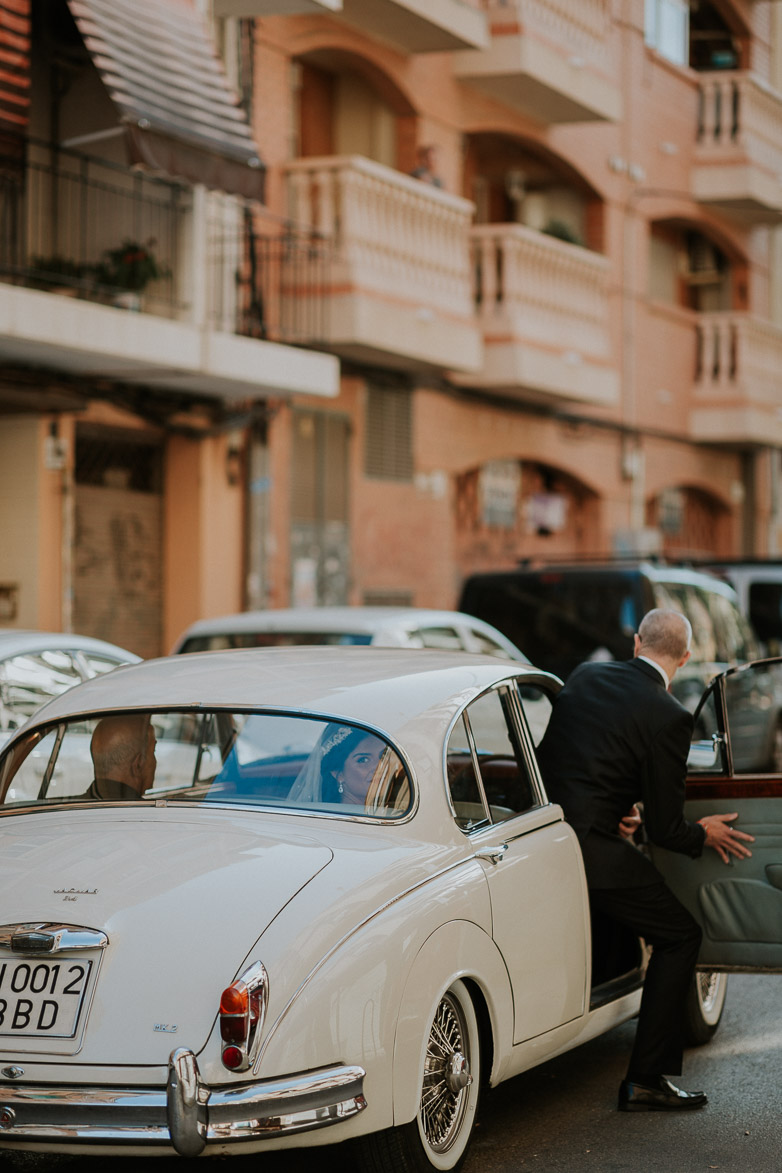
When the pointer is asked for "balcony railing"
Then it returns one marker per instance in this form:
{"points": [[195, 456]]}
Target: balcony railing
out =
{"points": [[543, 307], [400, 280], [552, 59], [65, 217], [738, 160], [736, 387]]}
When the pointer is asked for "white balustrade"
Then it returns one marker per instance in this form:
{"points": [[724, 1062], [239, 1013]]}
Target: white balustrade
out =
{"points": [[393, 236], [582, 25], [540, 289], [739, 113], [739, 357]]}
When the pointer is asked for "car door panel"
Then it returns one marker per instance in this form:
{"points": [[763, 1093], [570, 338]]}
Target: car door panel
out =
{"points": [[738, 904]]}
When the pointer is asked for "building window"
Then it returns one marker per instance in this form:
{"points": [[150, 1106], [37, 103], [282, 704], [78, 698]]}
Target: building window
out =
{"points": [[388, 453], [667, 29]]}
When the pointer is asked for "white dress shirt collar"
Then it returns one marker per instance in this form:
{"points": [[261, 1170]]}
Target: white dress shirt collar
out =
{"points": [[659, 668]]}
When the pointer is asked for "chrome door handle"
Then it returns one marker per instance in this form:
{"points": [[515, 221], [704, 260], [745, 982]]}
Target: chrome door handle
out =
{"points": [[494, 854]]}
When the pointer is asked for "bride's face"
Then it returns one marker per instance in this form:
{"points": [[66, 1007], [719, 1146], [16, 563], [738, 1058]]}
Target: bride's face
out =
{"points": [[359, 768]]}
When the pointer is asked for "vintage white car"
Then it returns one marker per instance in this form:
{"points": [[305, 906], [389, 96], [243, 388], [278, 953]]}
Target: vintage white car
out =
{"points": [[352, 908]]}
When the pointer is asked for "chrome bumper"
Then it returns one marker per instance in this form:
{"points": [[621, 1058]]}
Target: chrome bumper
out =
{"points": [[187, 1116]]}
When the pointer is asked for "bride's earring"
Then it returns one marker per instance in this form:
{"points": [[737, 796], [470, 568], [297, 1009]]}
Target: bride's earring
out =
{"points": [[340, 787]]}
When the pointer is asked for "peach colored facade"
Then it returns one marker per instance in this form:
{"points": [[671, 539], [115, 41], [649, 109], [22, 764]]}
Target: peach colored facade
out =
{"points": [[571, 345]]}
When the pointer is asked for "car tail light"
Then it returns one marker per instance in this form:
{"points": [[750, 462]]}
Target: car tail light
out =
{"points": [[242, 1011]]}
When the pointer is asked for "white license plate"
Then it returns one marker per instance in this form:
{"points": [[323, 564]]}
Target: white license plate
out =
{"points": [[42, 999]]}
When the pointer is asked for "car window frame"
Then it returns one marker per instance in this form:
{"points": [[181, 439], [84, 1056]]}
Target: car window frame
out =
{"points": [[58, 727], [524, 749]]}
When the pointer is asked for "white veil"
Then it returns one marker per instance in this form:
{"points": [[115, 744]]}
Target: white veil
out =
{"points": [[308, 786]]}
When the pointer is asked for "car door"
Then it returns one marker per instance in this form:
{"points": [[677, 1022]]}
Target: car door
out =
{"points": [[530, 858], [735, 765]]}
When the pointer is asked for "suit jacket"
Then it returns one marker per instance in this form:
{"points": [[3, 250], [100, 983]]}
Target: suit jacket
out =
{"points": [[617, 737]]}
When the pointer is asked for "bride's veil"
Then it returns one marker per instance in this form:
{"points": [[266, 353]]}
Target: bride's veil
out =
{"points": [[308, 786]]}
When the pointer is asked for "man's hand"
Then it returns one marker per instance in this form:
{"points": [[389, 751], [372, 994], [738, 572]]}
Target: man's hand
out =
{"points": [[724, 839], [630, 823]]}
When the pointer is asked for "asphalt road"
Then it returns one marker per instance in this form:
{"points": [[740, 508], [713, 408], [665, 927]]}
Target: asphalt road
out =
{"points": [[562, 1118]]}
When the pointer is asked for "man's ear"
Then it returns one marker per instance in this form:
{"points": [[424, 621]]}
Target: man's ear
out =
{"points": [[684, 659], [636, 644]]}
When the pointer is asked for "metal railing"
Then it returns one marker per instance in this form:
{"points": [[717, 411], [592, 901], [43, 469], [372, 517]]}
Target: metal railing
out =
{"points": [[87, 227]]}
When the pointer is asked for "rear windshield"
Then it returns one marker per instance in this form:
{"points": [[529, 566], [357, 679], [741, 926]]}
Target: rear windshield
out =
{"points": [[266, 760], [271, 639], [560, 618]]}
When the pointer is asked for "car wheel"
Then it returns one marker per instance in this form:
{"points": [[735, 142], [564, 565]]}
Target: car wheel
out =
{"points": [[705, 1003], [439, 1135]]}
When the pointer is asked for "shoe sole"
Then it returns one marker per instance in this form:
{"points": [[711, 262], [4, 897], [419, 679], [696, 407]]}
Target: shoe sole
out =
{"points": [[682, 1107]]}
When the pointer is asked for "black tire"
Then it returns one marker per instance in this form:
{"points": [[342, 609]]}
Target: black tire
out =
{"points": [[438, 1137], [705, 1003]]}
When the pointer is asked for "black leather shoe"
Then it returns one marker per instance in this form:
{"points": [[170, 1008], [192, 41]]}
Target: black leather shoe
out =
{"points": [[658, 1095]]}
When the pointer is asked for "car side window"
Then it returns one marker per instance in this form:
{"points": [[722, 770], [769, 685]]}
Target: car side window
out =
{"points": [[98, 665], [488, 646], [30, 680], [705, 756], [487, 773], [445, 638], [752, 707], [536, 706]]}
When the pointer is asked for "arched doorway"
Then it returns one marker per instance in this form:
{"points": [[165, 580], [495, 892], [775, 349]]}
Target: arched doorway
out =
{"points": [[506, 510], [693, 523], [514, 182], [345, 105]]}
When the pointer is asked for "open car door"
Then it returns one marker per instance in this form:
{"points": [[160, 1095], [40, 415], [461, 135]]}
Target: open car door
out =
{"points": [[735, 764]]}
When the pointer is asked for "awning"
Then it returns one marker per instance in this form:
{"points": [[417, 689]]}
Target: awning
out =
{"points": [[14, 66], [162, 72]]}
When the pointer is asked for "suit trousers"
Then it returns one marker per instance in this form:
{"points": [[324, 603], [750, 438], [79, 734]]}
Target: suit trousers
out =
{"points": [[654, 913]]}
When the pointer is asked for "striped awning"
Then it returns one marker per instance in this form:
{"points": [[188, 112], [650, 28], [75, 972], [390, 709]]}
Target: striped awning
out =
{"points": [[14, 66], [162, 72]]}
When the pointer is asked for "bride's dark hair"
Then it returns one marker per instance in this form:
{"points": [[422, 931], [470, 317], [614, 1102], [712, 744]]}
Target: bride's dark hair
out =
{"points": [[339, 741]]}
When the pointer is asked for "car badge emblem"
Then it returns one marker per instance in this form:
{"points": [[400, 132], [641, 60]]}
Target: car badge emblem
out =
{"points": [[13, 1072]]}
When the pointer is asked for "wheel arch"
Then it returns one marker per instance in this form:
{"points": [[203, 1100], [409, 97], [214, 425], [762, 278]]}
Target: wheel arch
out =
{"points": [[454, 951]]}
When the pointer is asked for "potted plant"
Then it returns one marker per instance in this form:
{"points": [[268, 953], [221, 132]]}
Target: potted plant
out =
{"points": [[58, 274], [129, 268]]}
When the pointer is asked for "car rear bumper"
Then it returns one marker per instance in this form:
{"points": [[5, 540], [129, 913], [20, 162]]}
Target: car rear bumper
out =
{"points": [[188, 1115]]}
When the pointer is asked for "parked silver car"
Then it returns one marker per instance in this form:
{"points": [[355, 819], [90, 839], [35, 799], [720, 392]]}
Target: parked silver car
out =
{"points": [[396, 627], [38, 665]]}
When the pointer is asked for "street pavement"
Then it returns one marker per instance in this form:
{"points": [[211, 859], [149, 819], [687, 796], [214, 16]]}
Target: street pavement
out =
{"points": [[562, 1118]]}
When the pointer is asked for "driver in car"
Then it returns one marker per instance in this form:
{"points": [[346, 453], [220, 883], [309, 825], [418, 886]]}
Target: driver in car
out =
{"points": [[123, 758]]}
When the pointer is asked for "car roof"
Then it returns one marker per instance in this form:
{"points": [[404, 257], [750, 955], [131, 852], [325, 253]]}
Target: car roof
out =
{"points": [[16, 641], [358, 620], [387, 688]]}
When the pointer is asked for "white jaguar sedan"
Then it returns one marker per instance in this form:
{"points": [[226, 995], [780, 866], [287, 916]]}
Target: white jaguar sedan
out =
{"points": [[349, 906]]}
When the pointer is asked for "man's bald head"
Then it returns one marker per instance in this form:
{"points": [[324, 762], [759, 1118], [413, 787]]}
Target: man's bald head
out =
{"points": [[123, 748], [664, 636]]}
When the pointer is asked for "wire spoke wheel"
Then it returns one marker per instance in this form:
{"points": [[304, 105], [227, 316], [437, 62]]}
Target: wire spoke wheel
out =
{"points": [[705, 1003], [446, 1089]]}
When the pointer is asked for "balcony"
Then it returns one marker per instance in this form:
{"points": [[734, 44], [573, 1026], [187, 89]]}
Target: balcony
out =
{"points": [[543, 307], [400, 290], [553, 60], [738, 157], [414, 26], [84, 243], [736, 392]]}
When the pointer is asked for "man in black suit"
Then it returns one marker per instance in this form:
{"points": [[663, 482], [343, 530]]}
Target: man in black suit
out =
{"points": [[618, 737], [123, 755]]}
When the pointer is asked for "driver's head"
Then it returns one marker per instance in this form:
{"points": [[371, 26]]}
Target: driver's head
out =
{"points": [[123, 749]]}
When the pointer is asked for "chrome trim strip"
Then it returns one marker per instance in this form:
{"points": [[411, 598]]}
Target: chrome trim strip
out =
{"points": [[188, 1116], [43, 938]]}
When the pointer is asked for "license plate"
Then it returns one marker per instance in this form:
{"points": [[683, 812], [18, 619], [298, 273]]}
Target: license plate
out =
{"points": [[42, 999]]}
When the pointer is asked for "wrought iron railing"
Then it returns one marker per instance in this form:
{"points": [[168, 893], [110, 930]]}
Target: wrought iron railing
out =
{"points": [[94, 229]]}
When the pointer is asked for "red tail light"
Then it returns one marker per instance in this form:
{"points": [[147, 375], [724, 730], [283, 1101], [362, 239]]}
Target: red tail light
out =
{"points": [[242, 1009]]}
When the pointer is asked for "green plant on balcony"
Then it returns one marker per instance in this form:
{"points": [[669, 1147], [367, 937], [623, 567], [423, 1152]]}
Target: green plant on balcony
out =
{"points": [[130, 267], [562, 231]]}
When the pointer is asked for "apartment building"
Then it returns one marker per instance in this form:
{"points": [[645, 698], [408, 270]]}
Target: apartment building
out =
{"points": [[360, 385]]}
